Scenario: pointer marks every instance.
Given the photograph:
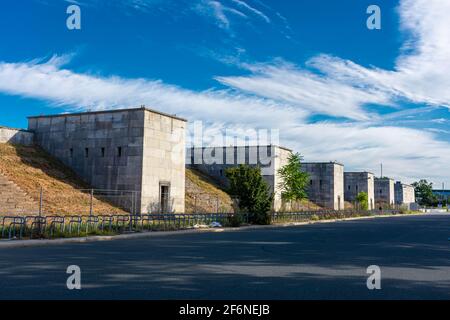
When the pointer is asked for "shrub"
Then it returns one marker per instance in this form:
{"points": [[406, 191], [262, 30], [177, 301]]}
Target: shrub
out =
{"points": [[363, 201], [249, 187], [236, 220]]}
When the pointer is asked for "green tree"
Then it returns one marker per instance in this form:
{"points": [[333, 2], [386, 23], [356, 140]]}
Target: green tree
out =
{"points": [[248, 185], [294, 182], [424, 193], [363, 200]]}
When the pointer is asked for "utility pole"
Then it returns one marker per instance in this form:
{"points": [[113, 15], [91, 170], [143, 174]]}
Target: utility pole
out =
{"points": [[41, 199], [381, 170], [41, 194], [91, 204], [443, 193]]}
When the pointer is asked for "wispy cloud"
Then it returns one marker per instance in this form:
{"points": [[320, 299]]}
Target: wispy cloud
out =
{"points": [[407, 154], [342, 87], [282, 95], [253, 10], [421, 74], [50, 82], [306, 90], [224, 11], [218, 11]]}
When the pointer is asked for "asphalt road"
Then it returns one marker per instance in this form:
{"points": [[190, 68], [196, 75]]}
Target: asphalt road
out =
{"points": [[321, 261]]}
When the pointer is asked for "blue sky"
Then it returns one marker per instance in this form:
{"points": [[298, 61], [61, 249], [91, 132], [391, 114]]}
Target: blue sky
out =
{"points": [[335, 89]]}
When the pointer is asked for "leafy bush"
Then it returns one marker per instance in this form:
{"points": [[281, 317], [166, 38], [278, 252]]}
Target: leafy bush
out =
{"points": [[363, 201], [235, 221], [424, 193], [249, 187]]}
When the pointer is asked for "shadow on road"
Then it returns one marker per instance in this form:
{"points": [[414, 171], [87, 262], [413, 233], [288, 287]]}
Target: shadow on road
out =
{"points": [[323, 261]]}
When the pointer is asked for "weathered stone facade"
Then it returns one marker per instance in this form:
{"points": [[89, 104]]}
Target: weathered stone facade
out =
{"points": [[356, 182], [404, 194], [326, 185], [138, 150], [16, 136], [384, 192], [214, 161]]}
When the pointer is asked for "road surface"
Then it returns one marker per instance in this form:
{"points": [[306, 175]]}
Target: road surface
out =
{"points": [[320, 261]]}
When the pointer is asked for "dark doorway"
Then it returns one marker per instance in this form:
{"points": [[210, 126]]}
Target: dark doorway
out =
{"points": [[164, 198]]}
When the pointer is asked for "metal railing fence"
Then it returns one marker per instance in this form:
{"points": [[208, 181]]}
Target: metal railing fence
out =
{"points": [[100, 201], [82, 201], [54, 226], [31, 227]]}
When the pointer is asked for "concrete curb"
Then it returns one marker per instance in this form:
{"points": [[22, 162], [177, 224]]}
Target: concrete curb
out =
{"points": [[5, 244]]}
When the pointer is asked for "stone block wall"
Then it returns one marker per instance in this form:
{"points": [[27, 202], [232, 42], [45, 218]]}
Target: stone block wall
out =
{"points": [[214, 161], [16, 136], [404, 194], [281, 159], [118, 150], [409, 194], [356, 182], [326, 187], [384, 192], [163, 162]]}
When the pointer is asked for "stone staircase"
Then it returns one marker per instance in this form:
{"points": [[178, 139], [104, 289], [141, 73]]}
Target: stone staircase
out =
{"points": [[13, 201]]}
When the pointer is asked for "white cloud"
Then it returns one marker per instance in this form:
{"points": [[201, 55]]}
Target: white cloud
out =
{"points": [[222, 11], [218, 11], [422, 72], [252, 9], [342, 88], [308, 91], [421, 75], [280, 95], [406, 154], [63, 87]]}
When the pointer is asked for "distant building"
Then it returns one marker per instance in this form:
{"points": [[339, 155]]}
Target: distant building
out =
{"points": [[326, 185], [404, 194], [214, 161], [384, 193], [356, 182], [139, 150], [442, 193]]}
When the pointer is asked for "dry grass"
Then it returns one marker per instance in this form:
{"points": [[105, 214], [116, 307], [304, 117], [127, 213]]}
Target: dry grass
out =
{"points": [[204, 195], [31, 168], [202, 192]]}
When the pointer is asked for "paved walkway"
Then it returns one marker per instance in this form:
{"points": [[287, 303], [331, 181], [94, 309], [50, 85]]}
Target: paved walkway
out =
{"points": [[319, 261]]}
